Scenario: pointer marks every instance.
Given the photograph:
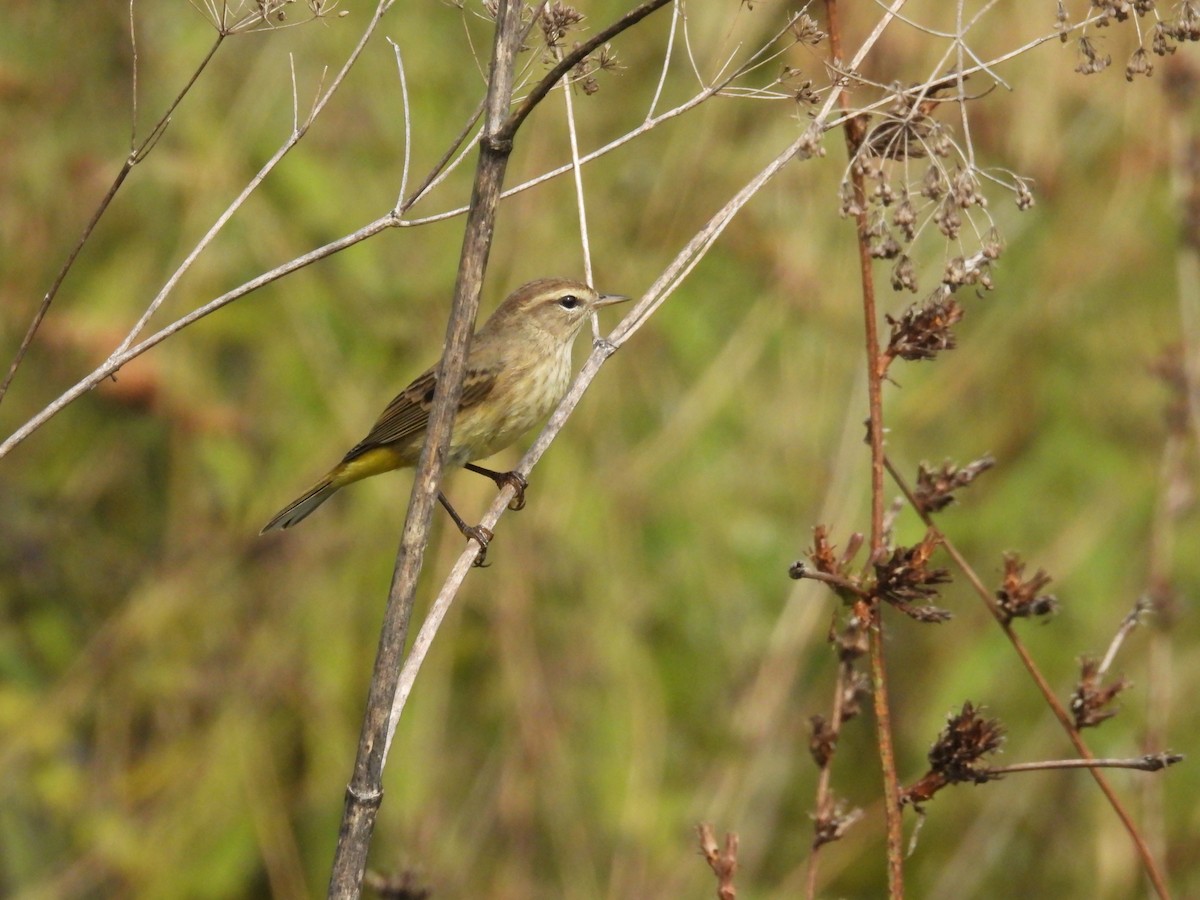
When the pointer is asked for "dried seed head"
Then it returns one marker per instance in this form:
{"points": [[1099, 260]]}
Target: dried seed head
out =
{"points": [[805, 30], [905, 217], [934, 184], [832, 826], [885, 247], [935, 487], [1160, 40], [1092, 62], [906, 576], [956, 755], [1020, 599], [822, 740], [904, 275], [966, 738], [850, 207], [1091, 702], [1024, 195], [1139, 64], [557, 20], [923, 331]]}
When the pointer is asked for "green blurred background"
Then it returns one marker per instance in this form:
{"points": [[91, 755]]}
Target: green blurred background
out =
{"points": [[180, 699]]}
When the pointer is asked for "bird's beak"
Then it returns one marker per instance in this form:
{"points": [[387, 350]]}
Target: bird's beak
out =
{"points": [[610, 299]]}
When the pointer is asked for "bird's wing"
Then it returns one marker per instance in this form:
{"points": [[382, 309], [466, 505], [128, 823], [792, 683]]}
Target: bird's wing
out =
{"points": [[408, 413]]}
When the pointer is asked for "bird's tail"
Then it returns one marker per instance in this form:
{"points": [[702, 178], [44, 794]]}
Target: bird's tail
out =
{"points": [[304, 504]]}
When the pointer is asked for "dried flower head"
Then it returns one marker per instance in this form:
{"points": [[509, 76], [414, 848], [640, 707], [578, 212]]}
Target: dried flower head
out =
{"points": [[557, 20], [956, 754], [935, 487], [905, 577], [1020, 599], [1024, 195], [924, 330], [1186, 26], [1091, 701], [907, 130], [1139, 64], [832, 826], [1091, 62], [904, 274], [822, 740], [805, 30]]}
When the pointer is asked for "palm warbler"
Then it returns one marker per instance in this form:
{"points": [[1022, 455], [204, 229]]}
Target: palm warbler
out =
{"points": [[518, 369]]}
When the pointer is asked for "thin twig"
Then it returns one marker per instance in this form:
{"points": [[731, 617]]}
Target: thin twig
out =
{"points": [[580, 201], [666, 66], [572, 59], [1154, 762], [136, 155], [1131, 621], [114, 363], [406, 110], [722, 861], [126, 350]]}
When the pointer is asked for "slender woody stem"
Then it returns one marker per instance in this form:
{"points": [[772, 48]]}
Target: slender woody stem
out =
{"points": [[853, 131]]}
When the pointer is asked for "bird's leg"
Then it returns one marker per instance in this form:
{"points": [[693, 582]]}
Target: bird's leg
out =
{"points": [[482, 535], [515, 479]]}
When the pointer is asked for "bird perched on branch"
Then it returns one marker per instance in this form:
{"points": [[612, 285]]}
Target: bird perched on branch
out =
{"points": [[518, 368]]}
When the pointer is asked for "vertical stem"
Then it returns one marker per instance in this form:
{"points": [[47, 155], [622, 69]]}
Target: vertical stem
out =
{"points": [[853, 131], [364, 793]]}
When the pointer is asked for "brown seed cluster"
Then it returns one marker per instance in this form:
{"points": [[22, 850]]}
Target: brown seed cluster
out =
{"points": [[924, 331], [956, 755], [1022, 599], [1092, 701], [935, 487], [905, 578]]}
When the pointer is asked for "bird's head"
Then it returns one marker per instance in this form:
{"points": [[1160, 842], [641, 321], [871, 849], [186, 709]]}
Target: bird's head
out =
{"points": [[554, 307]]}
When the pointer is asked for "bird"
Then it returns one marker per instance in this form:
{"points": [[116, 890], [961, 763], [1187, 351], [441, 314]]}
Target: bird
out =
{"points": [[518, 368]]}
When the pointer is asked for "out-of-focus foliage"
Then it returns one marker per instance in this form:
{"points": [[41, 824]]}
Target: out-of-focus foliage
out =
{"points": [[180, 699]]}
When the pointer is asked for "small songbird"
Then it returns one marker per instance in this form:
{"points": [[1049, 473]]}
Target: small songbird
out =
{"points": [[518, 368]]}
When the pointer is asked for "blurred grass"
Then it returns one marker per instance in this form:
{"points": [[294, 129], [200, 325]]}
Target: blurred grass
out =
{"points": [[180, 700]]}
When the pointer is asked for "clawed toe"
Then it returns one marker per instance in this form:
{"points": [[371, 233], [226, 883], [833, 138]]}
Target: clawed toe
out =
{"points": [[519, 483], [483, 536]]}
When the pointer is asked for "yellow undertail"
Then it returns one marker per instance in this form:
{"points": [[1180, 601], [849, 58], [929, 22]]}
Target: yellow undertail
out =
{"points": [[373, 462]]}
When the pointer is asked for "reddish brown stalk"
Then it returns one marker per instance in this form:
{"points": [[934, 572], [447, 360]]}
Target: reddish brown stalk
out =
{"points": [[853, 131], [1148, 863]]}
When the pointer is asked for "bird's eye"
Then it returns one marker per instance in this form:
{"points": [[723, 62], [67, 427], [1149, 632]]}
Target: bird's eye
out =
{"points": [[570, 301]]}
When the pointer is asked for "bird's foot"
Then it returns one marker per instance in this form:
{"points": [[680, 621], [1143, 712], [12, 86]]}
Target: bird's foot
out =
{"points": [[483, 537], [518, 482], [513, 479]]}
